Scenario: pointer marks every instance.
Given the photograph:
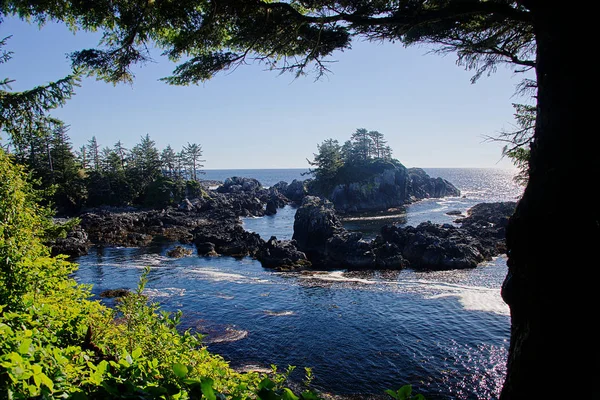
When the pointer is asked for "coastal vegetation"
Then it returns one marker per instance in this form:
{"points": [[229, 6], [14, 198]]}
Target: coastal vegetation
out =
{"points": [[365, 153], [115, 176]]}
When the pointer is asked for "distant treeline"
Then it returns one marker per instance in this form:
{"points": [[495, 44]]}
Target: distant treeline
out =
{"points": [[94, 176]]}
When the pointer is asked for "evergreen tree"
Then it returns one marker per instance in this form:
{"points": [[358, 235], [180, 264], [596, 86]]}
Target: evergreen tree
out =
{"points": [[168, 160], [145, 167], [25, 113], [379, 144], [121, 152], [94, 154], [362, 145], [83, 157], [192, 153], [328, 161]]}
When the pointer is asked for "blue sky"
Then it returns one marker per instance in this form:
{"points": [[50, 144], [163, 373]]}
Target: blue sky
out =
{"points": [[425, 105]]}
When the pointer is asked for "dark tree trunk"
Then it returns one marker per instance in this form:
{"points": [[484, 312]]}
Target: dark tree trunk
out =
{"points": [[554, 236]]}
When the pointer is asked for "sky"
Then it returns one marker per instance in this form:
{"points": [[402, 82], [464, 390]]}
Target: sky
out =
{"points": [[424, 104]]}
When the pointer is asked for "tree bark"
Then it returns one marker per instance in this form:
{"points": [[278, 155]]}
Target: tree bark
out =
{"points": [[554, 235]]}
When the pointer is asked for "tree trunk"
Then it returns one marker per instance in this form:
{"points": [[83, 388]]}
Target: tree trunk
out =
{"points": [[554, 235]]}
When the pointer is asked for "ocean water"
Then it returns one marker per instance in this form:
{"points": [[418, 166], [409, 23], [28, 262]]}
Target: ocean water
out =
{"points": [[446, 333]]}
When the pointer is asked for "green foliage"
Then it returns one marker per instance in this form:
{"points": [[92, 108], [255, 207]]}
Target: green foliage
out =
{"points": [[405, 393]]}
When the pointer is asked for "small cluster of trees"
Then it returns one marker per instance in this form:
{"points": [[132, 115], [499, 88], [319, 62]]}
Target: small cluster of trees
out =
{"points": [[95, 175], [334, 163]]}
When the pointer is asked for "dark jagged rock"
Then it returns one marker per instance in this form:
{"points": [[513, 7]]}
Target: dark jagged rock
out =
{"points": [[389, 256], [488, 222], [206, 249], [271, 208], [439, 247], [238, 184], [454, 212], [228, 237], [314, 223], [185, 205], [422, 186], [179, 252], [75, 244], [320, 234], [281, 187], [112, 293], [282, 255], [385, 189], [296, 191], [382, 185]]}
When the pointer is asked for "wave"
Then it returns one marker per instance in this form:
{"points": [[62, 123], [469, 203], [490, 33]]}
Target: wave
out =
{"points": [[279, 313], [219, 276], [336, 276], [164, 292], [473, 298], [230, 334]]}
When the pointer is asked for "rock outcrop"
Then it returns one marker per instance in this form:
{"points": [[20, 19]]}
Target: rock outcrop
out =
{"points": [[388, 185], [319, 233], [422, 186], [75, 244], [179, 252], [282, 255]]}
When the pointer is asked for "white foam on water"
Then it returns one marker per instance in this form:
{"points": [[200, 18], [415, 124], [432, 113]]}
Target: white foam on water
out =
{"points": [[230, 335], [473, 298], [375, 217], [219, 276], [164, 292], [279, 313], [153, 259], [337, 276]]}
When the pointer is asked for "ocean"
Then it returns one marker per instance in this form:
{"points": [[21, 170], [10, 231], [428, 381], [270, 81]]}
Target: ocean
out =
{"points": [[445, 332]]}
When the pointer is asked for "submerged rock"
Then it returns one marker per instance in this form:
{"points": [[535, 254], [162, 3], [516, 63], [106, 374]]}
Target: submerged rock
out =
{"points": [[179, 252]]}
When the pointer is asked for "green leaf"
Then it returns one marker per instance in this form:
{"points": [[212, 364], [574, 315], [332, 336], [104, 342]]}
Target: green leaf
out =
{"points": [[136, 353], [266, 383], [308, 395], [24, 346], [207, 389], [288, 395], [180, 370]]}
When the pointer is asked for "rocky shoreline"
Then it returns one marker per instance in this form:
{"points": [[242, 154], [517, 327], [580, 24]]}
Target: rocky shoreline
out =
{"points": [[212, 222]]}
